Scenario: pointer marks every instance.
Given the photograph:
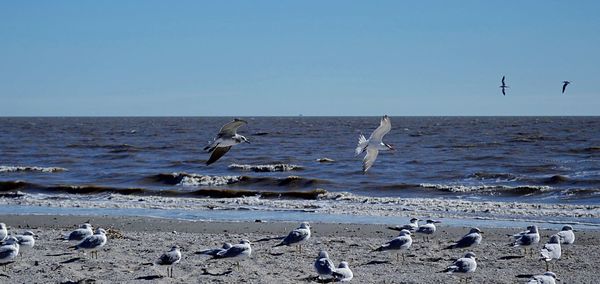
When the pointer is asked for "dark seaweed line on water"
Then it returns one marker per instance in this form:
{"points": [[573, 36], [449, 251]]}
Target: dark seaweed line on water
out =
{"points": [[203, 180], [12, 186]]}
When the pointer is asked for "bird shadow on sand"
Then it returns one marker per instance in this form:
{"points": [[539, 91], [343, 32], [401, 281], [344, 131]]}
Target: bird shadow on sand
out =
{"points": [[4, 275], [509, 257], [150, 277], [71, 260], [316, 279], [207, 272], [524, 276], [60, 254], [373, 262]]}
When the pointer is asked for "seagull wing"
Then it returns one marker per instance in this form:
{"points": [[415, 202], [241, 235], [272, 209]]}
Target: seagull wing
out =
{"points": [[370, 158], [217, 154], [384, 127], [503, 81], [232, 251], [231, 128], [295, 236], [564, 87], [466, 241], [169, 258], [503, 92]]}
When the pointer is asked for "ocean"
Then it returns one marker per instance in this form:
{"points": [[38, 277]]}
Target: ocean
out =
{"points": [[519, 159]]}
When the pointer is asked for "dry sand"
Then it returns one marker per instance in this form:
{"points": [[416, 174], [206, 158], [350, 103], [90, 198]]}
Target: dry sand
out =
{"points": [[135, 242]]}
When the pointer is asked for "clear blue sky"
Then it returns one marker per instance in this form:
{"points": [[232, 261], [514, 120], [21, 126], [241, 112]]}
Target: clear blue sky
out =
{"points": [[243, 58]]}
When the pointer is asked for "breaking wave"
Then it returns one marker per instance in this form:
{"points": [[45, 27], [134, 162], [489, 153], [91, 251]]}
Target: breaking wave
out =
{"points": [[10, 169], [186, 179], [266, 168], [500, 189]]}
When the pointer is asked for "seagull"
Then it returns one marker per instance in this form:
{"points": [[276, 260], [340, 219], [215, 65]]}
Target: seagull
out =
{"points": [[546, 278], [226, 138], [527, 238], [503, 86], [412, 226], [297, 236], [93, 242], [323, 265], [343, 272], [9, 251], [81, 233], [170, 258], [402, 242], [465, 265], [239, 251], [374, 144], [551, 250], [473, 238], [215, 251], [567, 236], [564, 88], [26, 240], [3, 232], [428, 228]]}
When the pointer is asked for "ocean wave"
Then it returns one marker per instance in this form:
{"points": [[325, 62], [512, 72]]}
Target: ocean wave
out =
{"points": [[484, 175], [186, 179], [10, 169], [15, 189], [266, 168], [500, 189]]}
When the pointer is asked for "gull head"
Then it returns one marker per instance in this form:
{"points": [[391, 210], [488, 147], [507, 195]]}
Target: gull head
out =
{"points": [[175, 247], [413, 220], [554, 239], [245, 242], [405, 232], [475, 230], [323, 254], [100, 231], [470, 255], [86, 226], [304, 225], [567, 228], [533, 229], [429, 221], [343, 264], [551, 274], [11, 241]]}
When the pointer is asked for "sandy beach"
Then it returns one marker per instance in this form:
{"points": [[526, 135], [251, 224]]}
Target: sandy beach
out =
{"points": [[136, 242]]}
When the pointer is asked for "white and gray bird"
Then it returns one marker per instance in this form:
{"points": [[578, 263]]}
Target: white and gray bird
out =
{"points": [[528, 238], [226, 138], [473, 238], [551, 250], [93, 243], [564, 86], [546, 278], [297, 236], [26, 240], [170, 258], [80, 233], [465, 265], [567, 238], [374, 144], [215, 251], [323, 265], [9, 251], [3, 232], [412, 226], [237, 252], [343, 272], [428, 228], [400, 243]]}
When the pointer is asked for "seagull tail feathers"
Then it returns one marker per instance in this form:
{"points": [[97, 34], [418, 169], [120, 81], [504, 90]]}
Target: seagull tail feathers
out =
{"points": [[362, 143]]}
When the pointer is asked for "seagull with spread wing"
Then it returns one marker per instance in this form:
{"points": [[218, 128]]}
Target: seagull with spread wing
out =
{"points": [[565, 84], [374, 144], [226, 138], [503, 86]]}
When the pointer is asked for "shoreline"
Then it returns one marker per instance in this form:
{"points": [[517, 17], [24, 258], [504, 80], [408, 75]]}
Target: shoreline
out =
{"points": [[135, 242]]}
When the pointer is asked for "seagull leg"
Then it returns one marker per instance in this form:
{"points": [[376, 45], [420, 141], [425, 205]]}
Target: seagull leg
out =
{"points": [[547, 266], [403, 258]]}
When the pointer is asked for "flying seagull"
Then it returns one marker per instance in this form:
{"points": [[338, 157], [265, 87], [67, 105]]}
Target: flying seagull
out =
{"points": [[503, 86], [226, 138], [565, 83], [374, 144]]}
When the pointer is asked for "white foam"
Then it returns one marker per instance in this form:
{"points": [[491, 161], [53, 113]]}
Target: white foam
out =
{"points": [[5, 169], [201, 180], [266, 168]]}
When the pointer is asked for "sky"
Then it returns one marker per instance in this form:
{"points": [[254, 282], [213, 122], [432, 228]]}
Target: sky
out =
{"points": [[270, 58]]}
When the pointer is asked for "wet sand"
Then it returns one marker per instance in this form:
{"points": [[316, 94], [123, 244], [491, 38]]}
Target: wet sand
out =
{"points": [[136, 242]]}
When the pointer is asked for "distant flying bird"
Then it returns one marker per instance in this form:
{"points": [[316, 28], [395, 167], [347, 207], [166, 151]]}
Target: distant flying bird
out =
{"points": [[226, 138], [374, 144], [565, 83], [503, 86], [170, 258]]}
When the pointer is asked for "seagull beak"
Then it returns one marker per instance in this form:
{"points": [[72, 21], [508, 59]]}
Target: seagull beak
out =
{"points": [[437, 222]]}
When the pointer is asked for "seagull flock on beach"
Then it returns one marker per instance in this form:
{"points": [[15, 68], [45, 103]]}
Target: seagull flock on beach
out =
{"points": [[89, 240]]}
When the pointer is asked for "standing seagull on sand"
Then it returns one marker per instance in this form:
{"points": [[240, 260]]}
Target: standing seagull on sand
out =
{"points": [[567, 237], [374, 144], [551, 250], [343, 272], [9, 251], [226, 138], [546, 278], [503, 86], [564, 88], [412, 226], [93, 242], [323, 265], [81, 233], [427, 229], [170, 258], [297, 236], [402, 242], [528, 238], [237, 252]]}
